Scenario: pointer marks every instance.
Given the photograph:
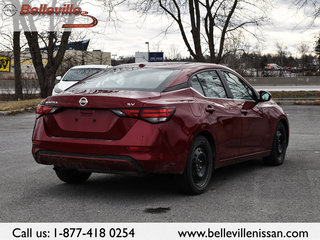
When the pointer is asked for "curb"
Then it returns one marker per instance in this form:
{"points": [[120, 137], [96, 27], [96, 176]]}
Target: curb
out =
{"points": [[298, 102], [4, 113], [13, 112]]}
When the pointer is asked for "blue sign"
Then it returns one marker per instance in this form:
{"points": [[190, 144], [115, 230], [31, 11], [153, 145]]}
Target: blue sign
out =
{"points": [[155, 56], [81, 45]]}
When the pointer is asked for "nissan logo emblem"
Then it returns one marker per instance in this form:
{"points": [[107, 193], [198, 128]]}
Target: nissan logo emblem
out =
{"points": [[83, 101]]}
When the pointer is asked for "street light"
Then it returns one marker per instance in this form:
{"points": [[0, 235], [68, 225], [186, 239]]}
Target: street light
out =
{"points": [[148, 46]]}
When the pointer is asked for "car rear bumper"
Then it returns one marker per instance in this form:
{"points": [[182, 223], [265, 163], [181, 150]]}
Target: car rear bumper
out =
{"points": [[155, 154], [147, 148], [143, 162], [94, 163]]}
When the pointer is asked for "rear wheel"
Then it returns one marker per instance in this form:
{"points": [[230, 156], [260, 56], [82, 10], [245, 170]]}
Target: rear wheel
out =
{"points": [[199, 165], [72, 176], [279, 146]]}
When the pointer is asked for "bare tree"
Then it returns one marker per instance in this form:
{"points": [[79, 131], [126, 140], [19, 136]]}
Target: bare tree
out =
{"points": [[47, 73], [210, 22], [282, 52], [303, 49], [312, 6], [11, 42], [173, 52], [233, 49], [17, 65]]}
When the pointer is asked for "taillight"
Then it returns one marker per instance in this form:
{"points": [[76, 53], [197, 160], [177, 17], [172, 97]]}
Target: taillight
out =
{"points": [[152, 115], [42, 110], [156, 115], [131, 112]]}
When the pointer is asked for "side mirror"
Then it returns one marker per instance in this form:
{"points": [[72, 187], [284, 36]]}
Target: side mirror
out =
{"points": [[58, 78], [264, 96]]}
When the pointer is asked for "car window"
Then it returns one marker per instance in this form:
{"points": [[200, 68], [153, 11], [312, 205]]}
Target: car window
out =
{"points": [[194, 82], [212, 84], [239, 89], [80, 73], [142, 79]]}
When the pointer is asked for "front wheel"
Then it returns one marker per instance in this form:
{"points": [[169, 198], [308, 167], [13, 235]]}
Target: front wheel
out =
{"points": [[199, 166], [279, 146], [72, 176]]}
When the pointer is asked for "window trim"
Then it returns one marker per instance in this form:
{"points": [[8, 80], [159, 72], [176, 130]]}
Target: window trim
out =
{"points": [[189, 83]]}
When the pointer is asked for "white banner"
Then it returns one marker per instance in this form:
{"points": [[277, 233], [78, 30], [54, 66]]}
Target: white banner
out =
{"points": [[159, 231], [46, 15]]}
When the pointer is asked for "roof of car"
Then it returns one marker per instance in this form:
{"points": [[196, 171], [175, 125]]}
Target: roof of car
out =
{"points": [[91, 66], [175, 65], [186, 68]]}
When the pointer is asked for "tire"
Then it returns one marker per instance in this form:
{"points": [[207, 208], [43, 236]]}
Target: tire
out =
{"points": [[72, 176], [199, 166], [279, 146]]}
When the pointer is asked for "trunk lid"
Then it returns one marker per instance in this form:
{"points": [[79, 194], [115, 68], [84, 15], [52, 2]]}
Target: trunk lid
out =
{"points": [[88, 114]]}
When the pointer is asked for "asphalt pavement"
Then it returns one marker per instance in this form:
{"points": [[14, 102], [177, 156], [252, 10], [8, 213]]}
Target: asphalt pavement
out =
{"points": [[247, 192]]}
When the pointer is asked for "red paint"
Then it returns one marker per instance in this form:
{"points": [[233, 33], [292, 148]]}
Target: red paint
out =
{"points": [[96, 138], [82, 25]]}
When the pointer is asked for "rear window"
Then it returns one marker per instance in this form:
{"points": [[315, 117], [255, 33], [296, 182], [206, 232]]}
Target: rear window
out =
{"points": [[146, 79], [79, 74]]}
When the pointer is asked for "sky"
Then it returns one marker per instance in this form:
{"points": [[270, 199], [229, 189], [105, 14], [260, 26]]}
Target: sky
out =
{"points": [[287, 25]]}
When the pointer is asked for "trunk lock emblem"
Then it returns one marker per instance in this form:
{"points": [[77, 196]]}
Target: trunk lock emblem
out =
{"points": [[83, 101]]}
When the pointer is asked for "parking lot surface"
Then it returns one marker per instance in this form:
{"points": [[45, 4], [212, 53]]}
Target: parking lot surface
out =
{"points": [[248, 191]]}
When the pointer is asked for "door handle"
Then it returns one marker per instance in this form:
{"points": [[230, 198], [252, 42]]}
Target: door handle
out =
{"points": [[210, 109], [244, 112]]}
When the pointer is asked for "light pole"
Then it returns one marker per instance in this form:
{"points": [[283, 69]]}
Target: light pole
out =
{"points": [[113, 60], [148, 46], [148, 51]]}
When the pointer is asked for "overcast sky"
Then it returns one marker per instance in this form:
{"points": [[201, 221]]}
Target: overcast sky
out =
{"points": [[287, 25]]}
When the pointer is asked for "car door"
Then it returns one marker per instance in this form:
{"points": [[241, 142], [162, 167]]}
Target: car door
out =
{"points": [[219, 113], [254, 122]]}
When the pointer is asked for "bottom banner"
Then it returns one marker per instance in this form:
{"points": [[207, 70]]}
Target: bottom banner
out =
{"points": [[159, 231]]}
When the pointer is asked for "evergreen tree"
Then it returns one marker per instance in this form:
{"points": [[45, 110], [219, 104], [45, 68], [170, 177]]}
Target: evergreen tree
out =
{"points": [[317, 50]]}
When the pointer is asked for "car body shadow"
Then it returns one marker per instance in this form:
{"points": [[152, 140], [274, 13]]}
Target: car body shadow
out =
{"points": [[133, 187]]}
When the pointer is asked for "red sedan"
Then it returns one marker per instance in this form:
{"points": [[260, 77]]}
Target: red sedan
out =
{"points": [[173, 118]]}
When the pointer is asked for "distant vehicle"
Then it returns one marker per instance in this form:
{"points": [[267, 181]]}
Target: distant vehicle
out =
{"points": [[75, 74], [273, 66], [177, 118]]}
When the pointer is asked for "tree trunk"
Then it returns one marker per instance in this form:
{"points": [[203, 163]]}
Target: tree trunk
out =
{"points": [[17, 66], [46, 74], [51, 80], [195, 19]]}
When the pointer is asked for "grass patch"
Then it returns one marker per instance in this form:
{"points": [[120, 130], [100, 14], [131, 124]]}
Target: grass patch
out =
{"points": [[19, 105], [12, 97], [296, 94]]}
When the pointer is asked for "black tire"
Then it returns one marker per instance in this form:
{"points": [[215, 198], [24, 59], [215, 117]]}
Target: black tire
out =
{"points": [[199, 166], [72, 176], [279, 146]]}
